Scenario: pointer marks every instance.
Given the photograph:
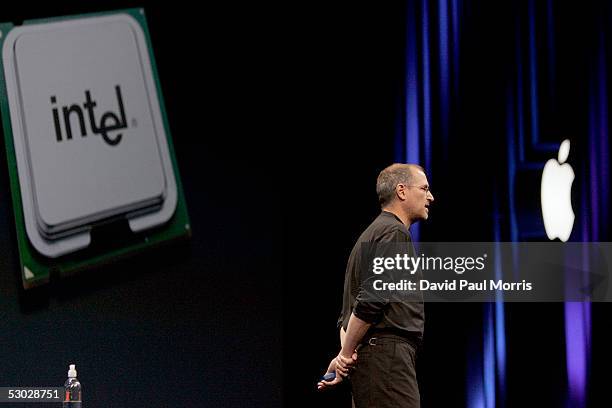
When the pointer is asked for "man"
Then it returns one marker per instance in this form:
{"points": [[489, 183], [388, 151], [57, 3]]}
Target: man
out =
{"points": [[379, 337]]}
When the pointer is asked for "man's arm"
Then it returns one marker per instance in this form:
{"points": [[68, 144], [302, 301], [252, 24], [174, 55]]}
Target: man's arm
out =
{"points": [[355, 331]]}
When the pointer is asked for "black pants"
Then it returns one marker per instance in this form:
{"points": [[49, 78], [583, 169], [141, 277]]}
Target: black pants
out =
{"points": [[385, 374]]}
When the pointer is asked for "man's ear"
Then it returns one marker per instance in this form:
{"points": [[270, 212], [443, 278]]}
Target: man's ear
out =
{"points": [[400, 192]]}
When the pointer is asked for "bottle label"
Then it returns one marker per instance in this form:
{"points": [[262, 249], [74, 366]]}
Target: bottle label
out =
{"points": [[71, 404]]}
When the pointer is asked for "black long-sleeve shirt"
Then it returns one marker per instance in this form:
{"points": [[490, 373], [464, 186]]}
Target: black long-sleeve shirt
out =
{"points": [[403, 317]]}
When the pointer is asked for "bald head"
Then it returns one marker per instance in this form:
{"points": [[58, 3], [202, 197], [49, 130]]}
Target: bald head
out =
{"points": [[395, 174]]}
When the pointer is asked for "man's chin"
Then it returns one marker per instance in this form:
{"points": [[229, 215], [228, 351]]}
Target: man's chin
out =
{"points": [[422, 217]]}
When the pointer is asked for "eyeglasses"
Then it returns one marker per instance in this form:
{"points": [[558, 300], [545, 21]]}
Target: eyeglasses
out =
{"points": [[424, 188]]}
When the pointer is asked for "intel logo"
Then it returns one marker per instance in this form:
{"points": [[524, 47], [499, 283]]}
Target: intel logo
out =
{"points": [[109, 121]]}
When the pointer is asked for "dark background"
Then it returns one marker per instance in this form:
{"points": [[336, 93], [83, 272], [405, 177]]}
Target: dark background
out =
{"points": [[352, 71], [282, 116], [197, 323]]}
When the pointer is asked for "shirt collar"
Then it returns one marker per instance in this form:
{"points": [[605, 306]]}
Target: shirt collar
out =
{"points": [[390, 214]]}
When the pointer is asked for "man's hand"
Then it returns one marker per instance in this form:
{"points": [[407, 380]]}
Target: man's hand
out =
{"points": [[345, 363], [341, 371], [347, 358], [326, 385]]}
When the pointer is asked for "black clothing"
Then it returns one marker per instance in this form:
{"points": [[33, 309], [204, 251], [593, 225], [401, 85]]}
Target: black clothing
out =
{"points": [[403, 318], [385, 375]]}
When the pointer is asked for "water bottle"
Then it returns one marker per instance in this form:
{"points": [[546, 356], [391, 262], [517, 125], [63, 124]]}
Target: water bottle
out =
{"points": [[72, 389]]}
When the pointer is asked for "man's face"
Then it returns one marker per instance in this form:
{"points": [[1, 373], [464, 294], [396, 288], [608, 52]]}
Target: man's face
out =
{"points": [[417, 196]]}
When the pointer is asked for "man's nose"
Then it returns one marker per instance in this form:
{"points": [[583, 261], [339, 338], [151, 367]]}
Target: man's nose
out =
{"points": [[430, 196]]}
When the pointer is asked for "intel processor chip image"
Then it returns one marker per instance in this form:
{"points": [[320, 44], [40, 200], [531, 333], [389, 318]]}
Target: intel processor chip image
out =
{"points": [[87, 139]]}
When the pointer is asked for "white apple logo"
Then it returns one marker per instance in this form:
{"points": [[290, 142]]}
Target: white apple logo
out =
{"points": [[556, 195]]}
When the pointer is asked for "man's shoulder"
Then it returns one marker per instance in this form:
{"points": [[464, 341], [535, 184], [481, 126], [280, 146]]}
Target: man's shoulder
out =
{"points": [[386, 228]]}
